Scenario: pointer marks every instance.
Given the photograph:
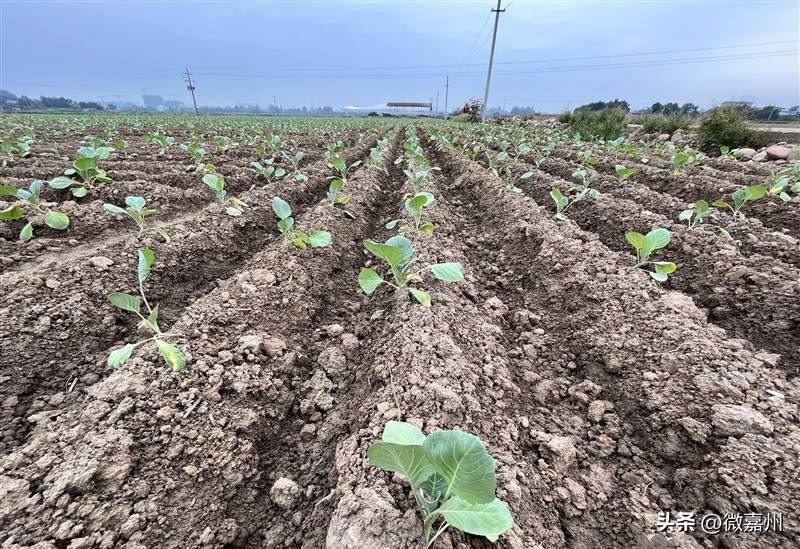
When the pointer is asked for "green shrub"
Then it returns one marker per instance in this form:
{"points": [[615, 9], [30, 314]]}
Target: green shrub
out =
{"points": [[660, 123], [605, 125], [565, 117], [727, 127]]}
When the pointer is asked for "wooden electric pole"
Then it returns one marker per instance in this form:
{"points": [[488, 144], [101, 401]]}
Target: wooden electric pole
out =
{"points": [[491, 61], [191, 88]]}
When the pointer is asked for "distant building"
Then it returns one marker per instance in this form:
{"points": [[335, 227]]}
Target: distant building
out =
{"points": [[174, 105], [153, 101]]}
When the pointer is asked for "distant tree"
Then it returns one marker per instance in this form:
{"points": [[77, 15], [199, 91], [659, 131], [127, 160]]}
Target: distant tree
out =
{"points": [[90, 105], [111, 107], [7, 97], [690, 109], [327, 110], [56, 102], [605, 105], [25, 102], [475, 110], [657, 108], [671, 108], [770, 112]]}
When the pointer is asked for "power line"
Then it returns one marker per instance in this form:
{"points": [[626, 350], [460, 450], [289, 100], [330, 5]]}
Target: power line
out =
{"points": [[480, 32]]}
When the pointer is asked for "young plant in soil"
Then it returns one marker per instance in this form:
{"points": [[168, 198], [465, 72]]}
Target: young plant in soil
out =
{"points": [[136, 211], [317, 239], [781, 182], [398, 253], [695, 215], [11, 146], [646, 245], [727, 152], [415, 204], [30, 198], [564, 202], [172, 355], [217, 184], [122, 147], [86, 166], [491, 161], [340, 165], [336, 201], [269, 172], [740, 198], [624, 173], [512, 180], [197, 153], [452, 478]]}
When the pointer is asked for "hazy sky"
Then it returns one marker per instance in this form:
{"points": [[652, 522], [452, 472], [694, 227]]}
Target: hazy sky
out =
{"points": [[549, 55]]}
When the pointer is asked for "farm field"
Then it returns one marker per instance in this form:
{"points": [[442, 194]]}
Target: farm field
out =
{"points": [[604, 396]]}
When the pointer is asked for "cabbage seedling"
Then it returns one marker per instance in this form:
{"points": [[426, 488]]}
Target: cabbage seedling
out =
{"points": [[172, 355], [136, 211], [269, 172], [217, 184], [564, 202], [678, 161], [197, 153], [30, 197], [85, 166], [122, 146], [317, 239], [780, 182], [740, 197], [338, 163], [512, 180], [624, 173], [337, 184], [452, 478], [646, 245], [224, 143], [415, 205], [398, 253], [698, 211]]}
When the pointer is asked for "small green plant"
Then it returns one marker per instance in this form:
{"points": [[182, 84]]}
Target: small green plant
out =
{"points": [[163, 141], [217, 184], [224, 143], [31, 198], [678, 161], [398, 252], [269, 172], [452, 478], [415, 204], [135, 210], [646, 245], [197, 153], [513, 179], [317, 239], [295, 160], [695, 215], [782, 181], [624, 173], [727, 152], [333, 189], [122, 147], [172, 355], [86, 165], [740, 198], [11, 146], [340, 165], [491, 161]]}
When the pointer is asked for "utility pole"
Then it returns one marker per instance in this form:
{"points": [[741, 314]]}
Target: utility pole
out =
{"points": [[191, 88], [275, 104], [437, 103], [491, 61], [446, 91]]}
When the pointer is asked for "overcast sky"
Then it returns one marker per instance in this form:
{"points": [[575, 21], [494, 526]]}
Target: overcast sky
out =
{"points": [[550, 55]]}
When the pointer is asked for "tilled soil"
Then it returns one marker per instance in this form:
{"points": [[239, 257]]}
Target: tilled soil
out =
{"points": [[603, 396]]}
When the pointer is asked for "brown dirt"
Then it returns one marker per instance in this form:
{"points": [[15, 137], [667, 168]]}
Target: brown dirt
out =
{"points": [[603, 396]]}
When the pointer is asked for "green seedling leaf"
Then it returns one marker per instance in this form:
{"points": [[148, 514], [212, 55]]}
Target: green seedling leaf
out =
{"points": [[426, 228], [637, 240], [369, 280], [408, 460], [485, 519], [6, 190], [403, 244], [172, 355], [720, 204], [116, 358], [281, 208], [12, 212], [320, 239], [56, 220], [26, 233], [660, 277], [61, 182], [665, 267], [400, 432], [163, 235], [449, 272], [233, 212], [724, 233], [394, 256], [79, 192], [435, 486], [286, 224], [137, 203], [392, 224], [126, 302], [146, 258], [115, 209], [423, 297], [462, 459], [754, 192], [657, 239]]}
